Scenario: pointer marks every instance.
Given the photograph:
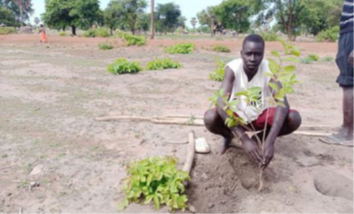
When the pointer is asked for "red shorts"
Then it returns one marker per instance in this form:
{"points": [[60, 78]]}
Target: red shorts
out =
{"points": [[261, 120]]}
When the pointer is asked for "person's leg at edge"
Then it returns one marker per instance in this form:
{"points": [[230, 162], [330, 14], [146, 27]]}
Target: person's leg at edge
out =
{"points": [[346, 130], [214, 123]]}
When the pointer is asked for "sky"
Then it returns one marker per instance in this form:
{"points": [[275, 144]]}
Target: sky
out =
{"points": [[189, 8]]}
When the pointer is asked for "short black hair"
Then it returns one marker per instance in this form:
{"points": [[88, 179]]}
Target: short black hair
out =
{"points": [[254, 38]]}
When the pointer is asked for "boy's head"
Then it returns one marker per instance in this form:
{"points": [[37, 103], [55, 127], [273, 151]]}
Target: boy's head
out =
{"points": [[252, 52]]}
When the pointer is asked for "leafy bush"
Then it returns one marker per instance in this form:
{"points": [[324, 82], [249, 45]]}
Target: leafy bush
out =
{"points": [[99, 32], [105, 46], [160, 64], [155, 180], [221, 48], [122, 66], [184, 48], [130, 39], [269, 36], [62, 33], [329, 35], [307, 60], [327, 59], [219, 72], [314, 57], [7, 30]]}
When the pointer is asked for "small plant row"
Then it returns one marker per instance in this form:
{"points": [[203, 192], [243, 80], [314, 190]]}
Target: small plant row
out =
{"points": [[123, 66], [314, 57], [183, 48], [98, 32], [130, 39]]}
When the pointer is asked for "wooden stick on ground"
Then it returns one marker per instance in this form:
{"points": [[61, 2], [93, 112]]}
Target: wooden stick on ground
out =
{"points": [[190, 154]]}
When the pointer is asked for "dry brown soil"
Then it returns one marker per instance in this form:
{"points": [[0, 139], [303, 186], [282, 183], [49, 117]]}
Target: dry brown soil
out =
{"points": [[55, 157]]}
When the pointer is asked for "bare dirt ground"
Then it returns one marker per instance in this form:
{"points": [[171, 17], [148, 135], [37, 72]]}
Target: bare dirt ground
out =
{"points": [[55, 157]]}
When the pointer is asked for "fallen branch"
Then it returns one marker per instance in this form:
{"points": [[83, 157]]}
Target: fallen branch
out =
{"points": [[190, 154]]}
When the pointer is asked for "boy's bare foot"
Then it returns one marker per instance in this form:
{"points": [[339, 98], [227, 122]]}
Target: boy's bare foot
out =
{"points": [[224, 146]]}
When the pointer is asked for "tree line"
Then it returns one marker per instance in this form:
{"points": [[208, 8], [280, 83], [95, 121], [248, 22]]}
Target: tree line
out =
{"points": [[291, 17]]}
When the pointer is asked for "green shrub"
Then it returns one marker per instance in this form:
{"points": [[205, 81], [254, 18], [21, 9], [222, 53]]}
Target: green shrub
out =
{"points": [[122, 66], [155, 180], [329, 35], [102, 32], [7, 30], [307, 60], [221, 48], [160, 64], [130, 39], [269, 36], [99, 32], [327, 59], [314, 57], [105, 46], [219, 72], [184, 48], [62, 33]]}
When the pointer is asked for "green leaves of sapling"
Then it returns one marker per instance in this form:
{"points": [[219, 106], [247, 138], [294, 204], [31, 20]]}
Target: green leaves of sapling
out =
{"points": [[155, 180]]}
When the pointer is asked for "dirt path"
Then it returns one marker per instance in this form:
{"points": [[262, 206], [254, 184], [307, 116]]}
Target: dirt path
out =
{"points": [[54, 156]]}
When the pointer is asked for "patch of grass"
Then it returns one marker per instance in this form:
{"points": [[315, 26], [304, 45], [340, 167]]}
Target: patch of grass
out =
{"points": [[183, 48], [130, 39], [62, 33], [307, 60], [219, 72], [329, 35], [98, 32], [221, 48], [164, 63], [105, 46], [327, 59], [156, 180], [7, 30], [269, 36], [314, 57], [123, 66]]}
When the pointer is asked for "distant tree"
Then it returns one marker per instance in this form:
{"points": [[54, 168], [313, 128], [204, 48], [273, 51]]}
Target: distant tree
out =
{"points": [[143, 22], [167, 17], [235, 14], [113, 15], [315, 16], [207, 17], [37, 21], [193, 22], [182, 21], [152, 14], [74, 13], [7, 17], [22, 9]]}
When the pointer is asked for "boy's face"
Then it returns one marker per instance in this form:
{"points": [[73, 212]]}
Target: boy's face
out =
{"points": [[252, 56]]}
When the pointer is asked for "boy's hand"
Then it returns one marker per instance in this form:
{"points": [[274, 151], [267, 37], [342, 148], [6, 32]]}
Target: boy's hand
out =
{"points": [[267, 155], [251, 149], [351, 58]]}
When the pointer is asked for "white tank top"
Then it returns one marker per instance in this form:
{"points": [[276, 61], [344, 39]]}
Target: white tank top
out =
{"points": [[249, 112]]}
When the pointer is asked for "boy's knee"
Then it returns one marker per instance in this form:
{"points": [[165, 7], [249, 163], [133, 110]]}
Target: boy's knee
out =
{"points": [[294, 120], [210, 118]]}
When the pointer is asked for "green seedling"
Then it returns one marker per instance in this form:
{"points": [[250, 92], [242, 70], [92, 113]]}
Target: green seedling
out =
{"points": [[314, 57], [219, 72], [307, 60], [105, 46], [184, 48], [130, 39], [123, 66], [221, 48], [155, 180], [161, 64], [327, 59]]}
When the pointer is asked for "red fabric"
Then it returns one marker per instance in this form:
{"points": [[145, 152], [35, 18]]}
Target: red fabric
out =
{"points": [[261, 120]]}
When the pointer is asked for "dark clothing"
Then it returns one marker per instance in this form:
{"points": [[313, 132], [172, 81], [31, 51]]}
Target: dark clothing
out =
{"points": [[347, 20], [345, 47]]}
